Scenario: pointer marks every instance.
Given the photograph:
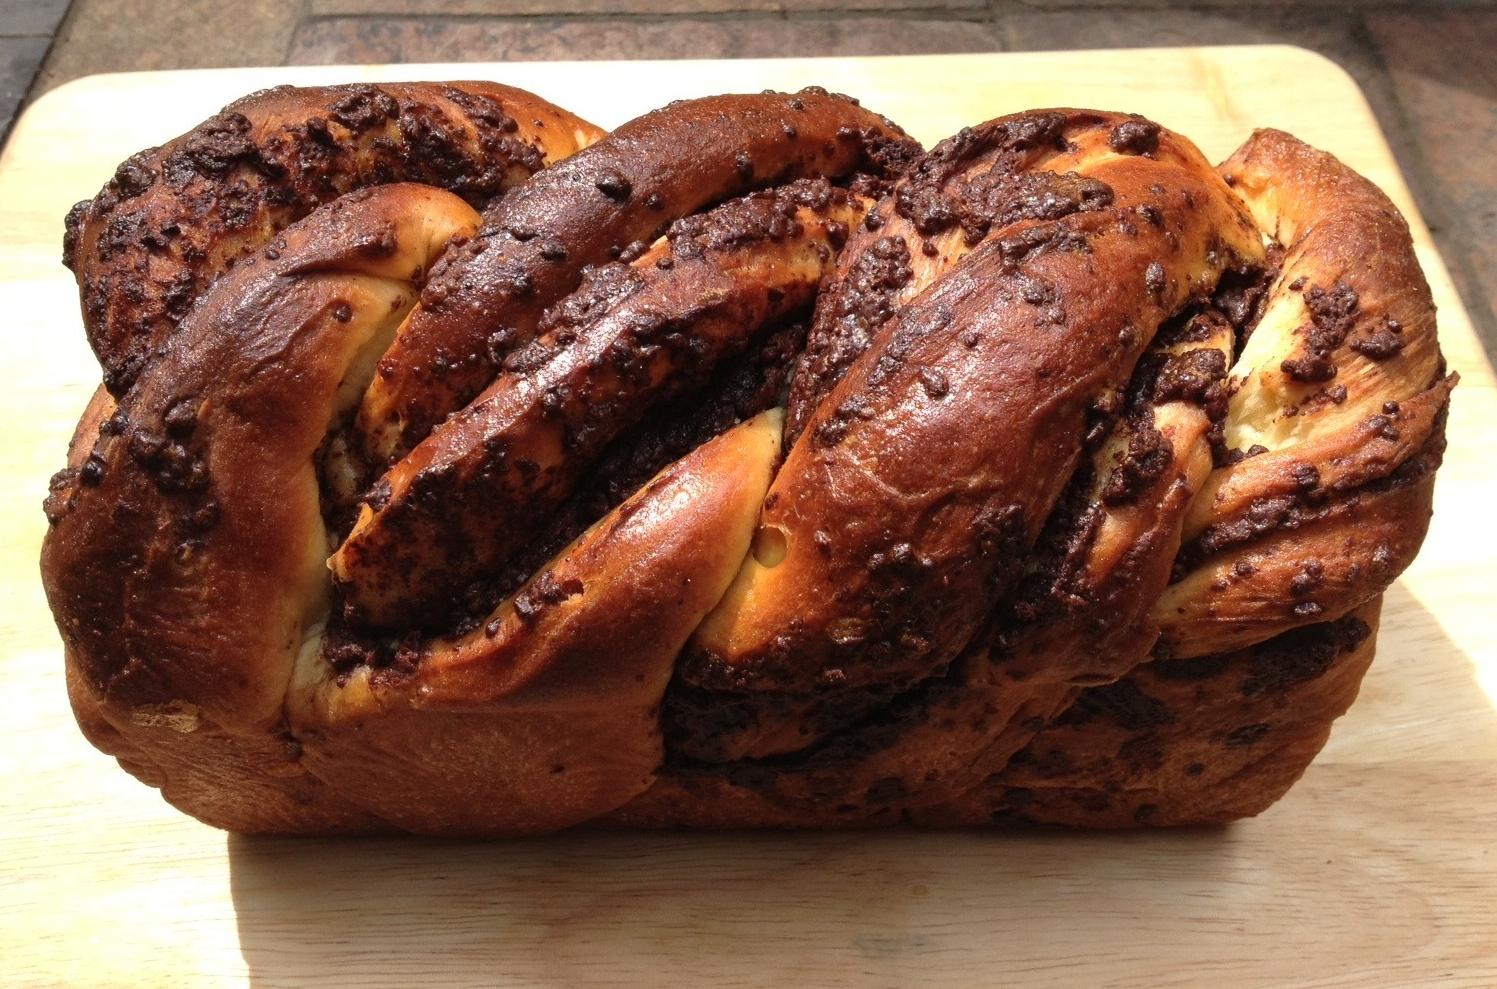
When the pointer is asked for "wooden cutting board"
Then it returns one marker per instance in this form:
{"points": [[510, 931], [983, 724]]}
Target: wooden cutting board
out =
{"points": [[1376, 870]]}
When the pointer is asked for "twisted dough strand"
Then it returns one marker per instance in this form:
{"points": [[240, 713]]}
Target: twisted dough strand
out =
{"points": [[190, 545], [1262, 633], [605, 203], [1340, 396], [888, 567], [632, 337], [173, 218], [303, 319]]}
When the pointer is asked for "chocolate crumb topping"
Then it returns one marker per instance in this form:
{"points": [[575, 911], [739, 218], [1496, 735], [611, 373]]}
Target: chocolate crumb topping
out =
{"points": [[1332, 315], [1382, 343], [1147, 457], [1135, 136]]}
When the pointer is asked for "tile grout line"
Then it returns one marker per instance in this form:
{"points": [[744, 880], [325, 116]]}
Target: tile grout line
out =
{"points": [[993, 9], [304, 15], [57, 35], [990, 6], [1343, 6], [973, 15], [7, 124]]}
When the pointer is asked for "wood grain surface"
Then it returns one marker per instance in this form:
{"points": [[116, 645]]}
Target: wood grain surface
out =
{"points": [[1377, 870]]}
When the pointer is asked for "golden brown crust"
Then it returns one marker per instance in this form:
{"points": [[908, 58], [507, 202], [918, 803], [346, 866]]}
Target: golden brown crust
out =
{"points": [[1201, 741], [202, 485], [1319, 567], [186, 553], [967, 191], [1090, 498], [630, 339], [175, 217], [887, 568], [547, 715], [598, 206], [1339, 396], [249, 782]]}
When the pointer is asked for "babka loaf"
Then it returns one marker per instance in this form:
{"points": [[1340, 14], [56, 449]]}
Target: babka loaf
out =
{"points": [[462, 469]]}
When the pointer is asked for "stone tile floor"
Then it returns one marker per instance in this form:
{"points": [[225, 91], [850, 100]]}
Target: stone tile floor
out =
{"points": [[1429, 67], [26, 30]]}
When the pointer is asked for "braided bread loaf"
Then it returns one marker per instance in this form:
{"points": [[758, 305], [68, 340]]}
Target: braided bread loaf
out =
{"points": [[461, 469]]}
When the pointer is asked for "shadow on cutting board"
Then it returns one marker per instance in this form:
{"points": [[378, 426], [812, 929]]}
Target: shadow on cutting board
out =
{"points": [[898, 907], [669, 909]]}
